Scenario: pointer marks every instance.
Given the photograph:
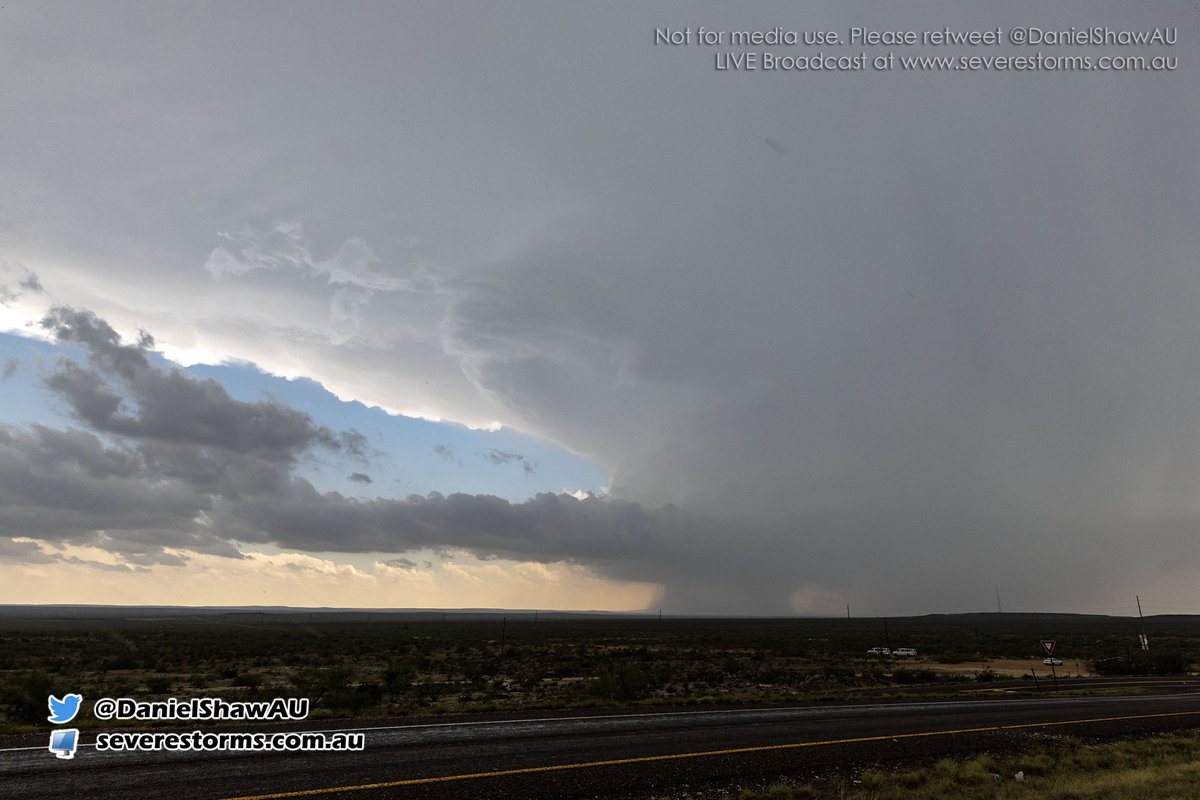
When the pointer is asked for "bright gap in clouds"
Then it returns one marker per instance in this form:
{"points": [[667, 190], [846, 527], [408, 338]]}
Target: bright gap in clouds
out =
{"points": [[415, 456], [405, 455], [271, 577]]}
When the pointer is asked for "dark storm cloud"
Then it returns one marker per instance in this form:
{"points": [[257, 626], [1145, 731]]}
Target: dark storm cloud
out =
{"points": [[89, 395], [360, 477], [168, 405], [943, 336], [69, 486], [704, 560], [13, 552], [920, 351], [549, 527]]}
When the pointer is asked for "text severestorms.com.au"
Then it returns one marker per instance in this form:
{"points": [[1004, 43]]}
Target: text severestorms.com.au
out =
{"points": [[65, 741], [205, 741]]}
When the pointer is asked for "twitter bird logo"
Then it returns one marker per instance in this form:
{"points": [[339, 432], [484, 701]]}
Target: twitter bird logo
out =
{"points": [[64, 710]]}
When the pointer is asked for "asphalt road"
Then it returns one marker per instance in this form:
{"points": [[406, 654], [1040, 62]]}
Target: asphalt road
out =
{"points": [[565, 756]]}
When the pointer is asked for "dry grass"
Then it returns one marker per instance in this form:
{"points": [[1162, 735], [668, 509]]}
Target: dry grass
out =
{"points": [[1162, 767]]}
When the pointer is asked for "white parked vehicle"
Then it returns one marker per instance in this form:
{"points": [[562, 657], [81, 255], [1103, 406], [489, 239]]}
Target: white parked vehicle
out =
{"points": [[879, 651], [1052, 662], [904, 651]]}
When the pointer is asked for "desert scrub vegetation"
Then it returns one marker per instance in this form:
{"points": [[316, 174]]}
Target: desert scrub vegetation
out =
{"points": [[1157, 767], [358, 664]]}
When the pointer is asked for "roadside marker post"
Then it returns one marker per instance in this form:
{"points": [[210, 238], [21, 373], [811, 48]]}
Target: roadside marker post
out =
{"points": [[1048, 646]]}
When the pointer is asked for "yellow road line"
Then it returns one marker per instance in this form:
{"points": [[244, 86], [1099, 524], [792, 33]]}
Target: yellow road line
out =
{"points": [[701, 754], [1084, 683], [1087, 683]]}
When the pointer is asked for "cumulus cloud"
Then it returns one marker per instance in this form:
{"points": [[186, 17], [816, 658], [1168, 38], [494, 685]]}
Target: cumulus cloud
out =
{"points": [[168, 406], [173, 446]]}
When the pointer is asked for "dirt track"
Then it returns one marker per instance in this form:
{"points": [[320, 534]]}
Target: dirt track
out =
{"points": [[1013, 667]]}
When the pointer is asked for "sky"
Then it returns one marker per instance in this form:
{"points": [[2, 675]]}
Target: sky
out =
{"points": [[518, 305]]}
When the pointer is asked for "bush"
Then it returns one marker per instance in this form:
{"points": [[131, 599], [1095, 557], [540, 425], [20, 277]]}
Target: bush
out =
{"points": [[987, 675], [23, 697], [158, 685], [910, 676], [626, 683], [1162, 662], [874, 779]]}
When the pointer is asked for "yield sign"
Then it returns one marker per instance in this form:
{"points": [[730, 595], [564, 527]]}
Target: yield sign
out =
{"points": [[1048, 646]]}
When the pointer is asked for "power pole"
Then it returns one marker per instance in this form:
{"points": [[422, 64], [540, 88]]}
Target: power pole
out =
{"points": [[1145, 643], [847, 611]]}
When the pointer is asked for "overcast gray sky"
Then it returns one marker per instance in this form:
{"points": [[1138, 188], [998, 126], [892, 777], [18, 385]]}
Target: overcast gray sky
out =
{"points": [[886, 338]]}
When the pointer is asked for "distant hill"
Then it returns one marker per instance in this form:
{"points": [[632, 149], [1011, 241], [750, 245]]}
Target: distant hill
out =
{"points": [[267, 613]]}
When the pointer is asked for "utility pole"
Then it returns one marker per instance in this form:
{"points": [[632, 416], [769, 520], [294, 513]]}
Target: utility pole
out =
{"points": [[1145, 643], [847, 611]]}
